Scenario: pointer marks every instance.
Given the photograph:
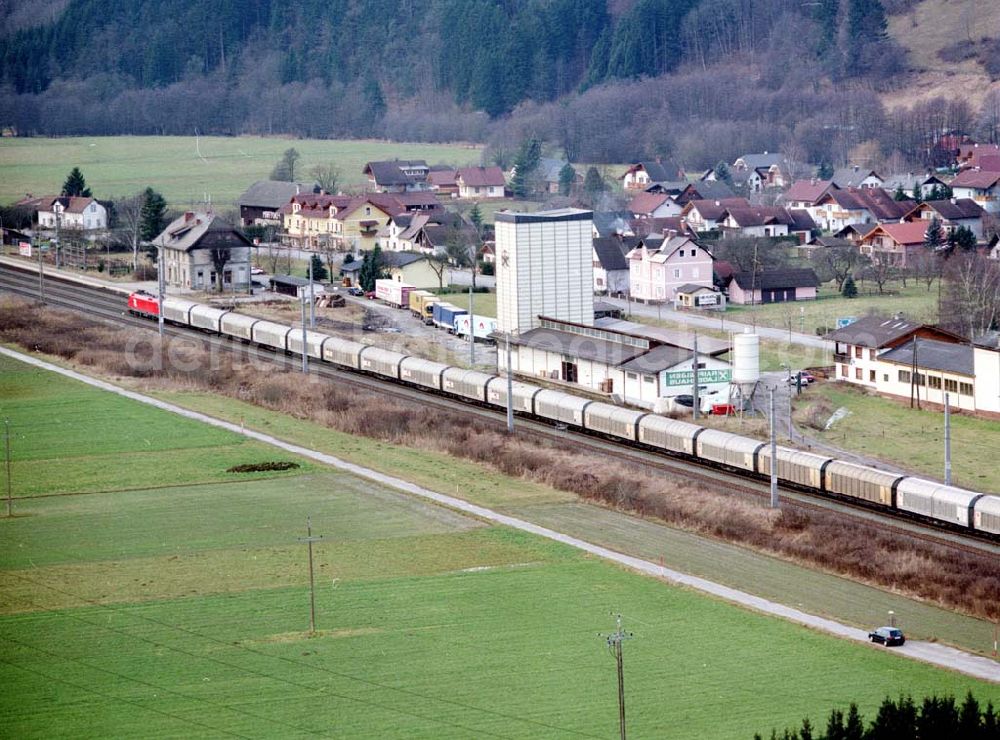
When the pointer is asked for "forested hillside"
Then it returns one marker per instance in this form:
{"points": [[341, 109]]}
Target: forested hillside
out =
{"points": [[602, 79]]}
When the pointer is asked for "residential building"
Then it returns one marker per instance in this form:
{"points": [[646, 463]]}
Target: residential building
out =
{"points": [[805, 194], [480, 182], [981, 186], [773, 286], [405, 267], [397, 175], [71, 212], [260, 204], [189, 244], [842, 207], [653, 205], [548, 173], [443, 182], [907, 182], [857, 177], [611, 272], [970, 155], [612, 223], [757, 172], [986, 364], [900, 241], [759, 221], [642, 174], [662, 264], [667, 225], [699, 297], [859, 345], [545, 267], [951, 214], [704, 215], [704, 190]]}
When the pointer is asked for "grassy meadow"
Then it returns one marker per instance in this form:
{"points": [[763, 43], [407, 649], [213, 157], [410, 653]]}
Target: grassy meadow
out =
{"points": [[181, 608], [187, 169]]}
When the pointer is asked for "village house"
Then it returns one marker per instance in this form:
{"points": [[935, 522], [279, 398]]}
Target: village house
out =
{"points": [[704, 190], [667, 225], [480, 182], [345, 222], [758, 172], [653, 205], [661, 264], [260, 204], [641, 175], [951, 214], [806, 194], [981, 186], [859, 345], [909, 181], [443, 182], [191, 244], [405, 267], [773, 286], [857, 177], [900, 241], [71, 212], [842, 207], [688, 297], [548, 173], [759, 221], [704, 215], [397, 176], [970, 155], [611, 270]]}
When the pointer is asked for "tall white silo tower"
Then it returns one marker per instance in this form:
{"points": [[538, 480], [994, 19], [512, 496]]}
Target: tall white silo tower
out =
{"points": [[746, 369]]}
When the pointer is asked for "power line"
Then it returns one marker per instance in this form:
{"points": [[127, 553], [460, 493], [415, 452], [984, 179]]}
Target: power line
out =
{"points": [[309, 539], [615, 640]]}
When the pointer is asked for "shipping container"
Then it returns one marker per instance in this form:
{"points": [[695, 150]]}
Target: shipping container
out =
{"points": [[177, 310], [485, 325], [394, 293], [444, 315], [207, 317]]}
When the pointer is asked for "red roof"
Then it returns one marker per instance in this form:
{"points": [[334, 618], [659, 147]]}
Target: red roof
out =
{"points": [[807, 191], [480, 177], [979, 179], [442, 178], [646, 203], [911, 232], [712, 209]]}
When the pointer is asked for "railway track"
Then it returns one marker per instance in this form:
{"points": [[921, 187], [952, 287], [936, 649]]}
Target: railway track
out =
{"points": [[107, 304]]}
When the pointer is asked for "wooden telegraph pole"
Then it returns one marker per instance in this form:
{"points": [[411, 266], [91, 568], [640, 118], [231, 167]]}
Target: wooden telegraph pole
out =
{"points": [[615, 640], [309, 539]]}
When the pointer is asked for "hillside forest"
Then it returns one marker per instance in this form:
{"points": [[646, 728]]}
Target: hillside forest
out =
{"points": [[599, 80]]}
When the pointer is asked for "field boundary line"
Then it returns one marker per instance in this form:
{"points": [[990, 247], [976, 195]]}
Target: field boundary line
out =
{"points": [[936, 654]]}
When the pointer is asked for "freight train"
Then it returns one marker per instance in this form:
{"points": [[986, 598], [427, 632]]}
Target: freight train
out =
{"points": [[955, 507]]}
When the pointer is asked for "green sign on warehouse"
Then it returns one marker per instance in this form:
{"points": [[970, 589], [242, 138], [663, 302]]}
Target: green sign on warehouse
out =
{"points": [[686, 377]]}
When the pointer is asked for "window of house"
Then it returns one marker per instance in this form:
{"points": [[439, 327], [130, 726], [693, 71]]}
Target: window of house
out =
{"points": [[871, 354], [885, 377], [904, 376], [648, 379], [682, 253], [858, 352], [843, 371], [631, 376], [950, 386], [677, 272], [965, 389], [871, 376], [933, 381], [857, 373], [920, 379]]}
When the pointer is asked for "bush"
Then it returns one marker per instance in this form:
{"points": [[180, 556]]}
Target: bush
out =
{"points": [[264, 467], [958, 52]]}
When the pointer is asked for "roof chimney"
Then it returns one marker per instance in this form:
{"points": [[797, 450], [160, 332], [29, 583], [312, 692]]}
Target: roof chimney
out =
{"points": [[188, 215], [717, 204], [954, 200], [297, 189]]}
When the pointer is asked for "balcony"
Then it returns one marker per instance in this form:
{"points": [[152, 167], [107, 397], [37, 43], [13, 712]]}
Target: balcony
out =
{"points": [[842, 359]]}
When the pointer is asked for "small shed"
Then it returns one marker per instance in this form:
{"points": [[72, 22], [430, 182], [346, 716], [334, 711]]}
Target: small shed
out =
{"points": [[690, 296], [294, 286]]}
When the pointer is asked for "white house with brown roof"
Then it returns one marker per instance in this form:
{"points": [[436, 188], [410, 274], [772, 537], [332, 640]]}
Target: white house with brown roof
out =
{"points": [[704, 215], [190, 244], [653, 205], [951, 214], [981, 186], [660, 265], [641, 175], [480, 182], [71, 212], [900, 241]]}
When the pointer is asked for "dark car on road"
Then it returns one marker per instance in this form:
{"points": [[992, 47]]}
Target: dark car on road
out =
{"points": [[356, 291], [684, 401], [888, 636]]}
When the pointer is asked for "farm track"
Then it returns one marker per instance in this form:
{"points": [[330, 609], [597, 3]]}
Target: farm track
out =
{"points": [[108, 304]]}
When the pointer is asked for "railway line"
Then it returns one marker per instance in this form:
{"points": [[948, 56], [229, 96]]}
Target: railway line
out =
{"points": [[108, 304]]}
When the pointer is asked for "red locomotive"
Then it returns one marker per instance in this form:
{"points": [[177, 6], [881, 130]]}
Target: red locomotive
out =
{"points": [[141, 303]]}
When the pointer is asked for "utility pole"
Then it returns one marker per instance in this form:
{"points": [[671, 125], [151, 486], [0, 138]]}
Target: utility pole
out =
{"points": [[6, 444], [472, 330], [309, 539], [305, 352], [694, 391], [41, 274], [615, 640], [947, 439], [774, 456], [312, 297], [160, 278], [510, 392]]}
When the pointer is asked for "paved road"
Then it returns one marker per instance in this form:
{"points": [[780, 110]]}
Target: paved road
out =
{"points": [[934, 653], [717, 322]]}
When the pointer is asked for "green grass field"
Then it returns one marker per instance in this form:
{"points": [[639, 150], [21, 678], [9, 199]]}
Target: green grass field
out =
{"points": [[187, 170], [914, 301], [182, 611], [876, 426], [484, 304]]}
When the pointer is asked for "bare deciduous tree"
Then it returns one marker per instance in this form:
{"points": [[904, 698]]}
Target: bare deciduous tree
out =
{"points": [[881, 269], [970, 303], [837, 263]]}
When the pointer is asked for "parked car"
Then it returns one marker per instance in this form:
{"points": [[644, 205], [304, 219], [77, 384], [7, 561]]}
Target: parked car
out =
{"points": [[356, 291], [684, 401], [370, 295], [888, 636], [807, 378], [257, 271]]}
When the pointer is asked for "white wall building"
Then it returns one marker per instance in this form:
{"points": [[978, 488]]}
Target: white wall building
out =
{"points": [[544, 267], [65, 212]]}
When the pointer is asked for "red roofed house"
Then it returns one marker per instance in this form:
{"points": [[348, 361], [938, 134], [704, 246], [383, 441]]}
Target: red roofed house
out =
{"points": [[970, 155], [71, 212], [704, 215], [899, 241], [979, 185], [641, 174], [756, 221], [480, 182], [805, 194], [443, 182], [653, 205]]}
